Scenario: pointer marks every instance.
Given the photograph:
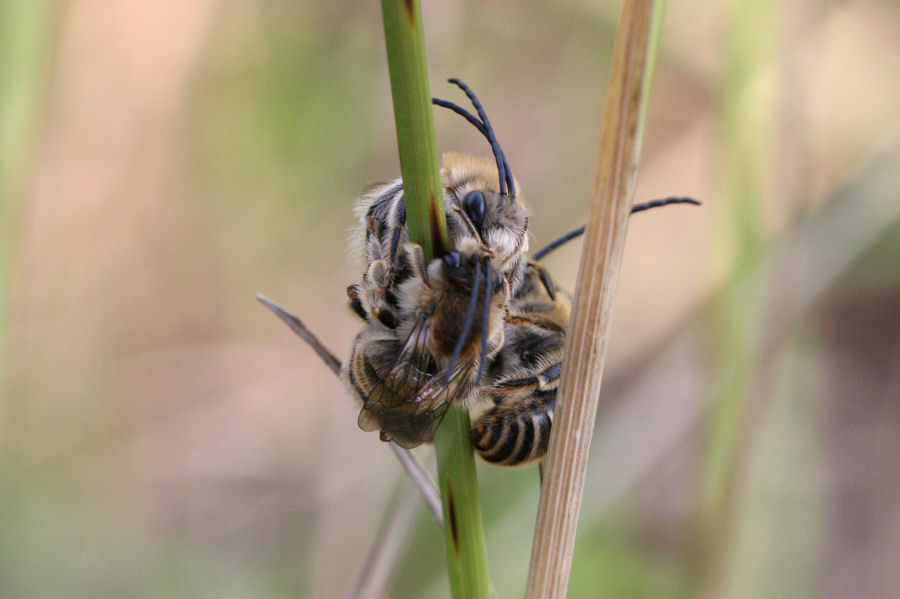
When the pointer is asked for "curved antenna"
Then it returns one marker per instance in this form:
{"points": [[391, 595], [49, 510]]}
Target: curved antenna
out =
{"points": [[464, 113], [636, 208], [502, 168], [663, 202], [495, 145], [558, 242], [483, 124]]}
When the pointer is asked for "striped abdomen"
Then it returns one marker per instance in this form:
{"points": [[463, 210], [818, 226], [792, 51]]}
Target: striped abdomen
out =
{"points": [[516, 430]]}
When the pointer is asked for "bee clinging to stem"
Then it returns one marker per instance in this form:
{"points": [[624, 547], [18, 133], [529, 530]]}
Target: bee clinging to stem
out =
{"points": [[482, 321], [432, 329], [478, 211]]}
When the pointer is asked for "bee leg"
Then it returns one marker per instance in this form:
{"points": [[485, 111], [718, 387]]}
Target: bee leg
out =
{"points": [[417, 261], [541, 472], [470, 318], [536, 320], [356, 303], [546, 282], [377, 274], [543, 277], [379, 295], [395, 248], [636, 208], [467, 223], [485, 318]]}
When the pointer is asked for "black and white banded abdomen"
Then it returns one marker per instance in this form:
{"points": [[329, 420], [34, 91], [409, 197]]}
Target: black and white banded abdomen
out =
{"points": [[516, 431], [515, 435]]}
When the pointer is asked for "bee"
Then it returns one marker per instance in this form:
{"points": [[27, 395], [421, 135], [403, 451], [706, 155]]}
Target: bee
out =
{"points": [[480, 220], [515, 430], [525, 373], [450, 326], [478, 212], [432, 329], [480, 322]]}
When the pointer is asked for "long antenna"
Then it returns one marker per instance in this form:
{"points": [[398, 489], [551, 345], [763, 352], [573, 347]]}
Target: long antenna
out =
{"points": [[636, 208], [483, 124]]}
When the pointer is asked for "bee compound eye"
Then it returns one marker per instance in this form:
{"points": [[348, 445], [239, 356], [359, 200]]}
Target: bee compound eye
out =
{"points": [[451, 259], [475, 207]]}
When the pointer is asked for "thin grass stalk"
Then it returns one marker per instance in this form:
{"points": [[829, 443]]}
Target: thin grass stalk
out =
{"points": [[23, 52], [736, 315], [417, 472], [598, 272], [405, 41], [373, 581]]}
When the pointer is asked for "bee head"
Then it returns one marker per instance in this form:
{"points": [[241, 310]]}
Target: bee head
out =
{"points": [[490, 215], [480, 216], [498, 222]]}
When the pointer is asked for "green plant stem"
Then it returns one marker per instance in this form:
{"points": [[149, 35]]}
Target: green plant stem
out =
{"points": [[419, 165], [463, 530], [466, 561]]}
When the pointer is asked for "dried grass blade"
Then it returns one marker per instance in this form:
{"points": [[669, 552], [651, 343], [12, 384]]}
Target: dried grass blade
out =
{"points": [[414, 468], [598, 271]]}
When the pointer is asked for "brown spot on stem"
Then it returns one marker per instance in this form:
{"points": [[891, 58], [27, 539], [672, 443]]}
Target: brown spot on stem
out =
{"points": [[410, 8], [451, 516], [437, 244]]}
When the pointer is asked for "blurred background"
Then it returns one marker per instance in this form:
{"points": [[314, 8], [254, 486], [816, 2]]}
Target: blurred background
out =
{"points": [[163, 435]]}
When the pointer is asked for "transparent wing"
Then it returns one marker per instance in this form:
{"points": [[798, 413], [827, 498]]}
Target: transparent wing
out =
{"points": [[412, 395]]}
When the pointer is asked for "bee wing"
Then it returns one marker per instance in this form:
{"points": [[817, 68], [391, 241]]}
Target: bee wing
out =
{"points": [[399, 379], [443, 390], [412, 396], [412, 423]]}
